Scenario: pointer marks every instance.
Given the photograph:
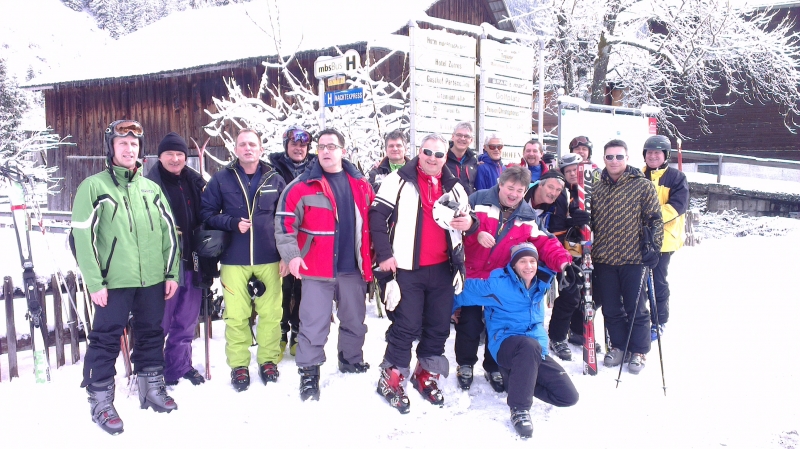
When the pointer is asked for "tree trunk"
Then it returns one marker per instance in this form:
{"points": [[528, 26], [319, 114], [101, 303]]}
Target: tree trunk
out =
{"points": [[603, 54]]}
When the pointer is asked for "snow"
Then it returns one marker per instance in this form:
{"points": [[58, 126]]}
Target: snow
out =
{"points": [[730, 369], [194, 38], [747, 183]]}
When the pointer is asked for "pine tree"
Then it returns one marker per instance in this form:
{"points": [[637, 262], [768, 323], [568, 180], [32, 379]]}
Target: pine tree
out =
{"points": [[13, 105]]}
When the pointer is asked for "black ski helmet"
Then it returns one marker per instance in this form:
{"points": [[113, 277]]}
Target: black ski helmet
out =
{"points": [[210, 242], [581, 141], [658, 143], [121, 128]]}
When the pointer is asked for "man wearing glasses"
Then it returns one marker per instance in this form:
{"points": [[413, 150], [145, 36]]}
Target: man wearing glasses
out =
{"points": [[294, 160], [491, 163], [428, 261], [323, 235], [461, 160], [127, 248], [241, 199], [625, 202]]}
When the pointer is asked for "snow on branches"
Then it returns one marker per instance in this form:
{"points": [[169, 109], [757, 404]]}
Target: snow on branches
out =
{"points": [[675, 54], [293, 101]]}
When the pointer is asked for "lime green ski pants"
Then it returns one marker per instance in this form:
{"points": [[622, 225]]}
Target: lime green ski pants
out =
{"points": [[238, 309]]}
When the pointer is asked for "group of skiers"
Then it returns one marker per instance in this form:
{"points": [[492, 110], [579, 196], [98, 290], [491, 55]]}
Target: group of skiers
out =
{"points": [[446, 236]]}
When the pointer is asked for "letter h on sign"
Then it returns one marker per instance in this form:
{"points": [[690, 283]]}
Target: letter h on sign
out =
{"points": [[350, 63]]}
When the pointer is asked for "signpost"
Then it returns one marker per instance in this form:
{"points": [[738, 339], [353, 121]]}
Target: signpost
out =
{"points": [[344, 97]]}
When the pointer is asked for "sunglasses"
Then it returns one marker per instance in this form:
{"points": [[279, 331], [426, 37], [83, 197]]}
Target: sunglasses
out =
{"points": [[430, 153], [298, 135], [495, 147], [122, 129], [611, 157]]}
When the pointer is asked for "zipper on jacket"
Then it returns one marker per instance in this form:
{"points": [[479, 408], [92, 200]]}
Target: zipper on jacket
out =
{"points": [[130, 216], [251, 207], [104, 273], [147, 207]]}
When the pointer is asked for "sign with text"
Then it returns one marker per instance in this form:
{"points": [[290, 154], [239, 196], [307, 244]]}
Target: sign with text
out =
{"points": [[325, 67], [344, 97]]}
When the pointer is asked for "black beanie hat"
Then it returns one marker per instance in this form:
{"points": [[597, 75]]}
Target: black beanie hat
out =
{"points": [[554, 173], [173, 142]]}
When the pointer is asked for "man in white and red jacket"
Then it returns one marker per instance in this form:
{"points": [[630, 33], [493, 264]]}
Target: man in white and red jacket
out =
{"points": [[505, 221], [428, 262], [322, 233]]}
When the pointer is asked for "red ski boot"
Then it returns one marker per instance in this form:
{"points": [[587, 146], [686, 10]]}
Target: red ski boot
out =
{"points": [[426, 383]]}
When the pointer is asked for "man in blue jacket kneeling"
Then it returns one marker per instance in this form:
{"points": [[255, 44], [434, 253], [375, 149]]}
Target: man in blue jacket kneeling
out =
{"points": [[513, 301]]}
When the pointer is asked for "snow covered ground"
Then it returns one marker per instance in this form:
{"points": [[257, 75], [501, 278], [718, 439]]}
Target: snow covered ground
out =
{"points": [[731, 373]]}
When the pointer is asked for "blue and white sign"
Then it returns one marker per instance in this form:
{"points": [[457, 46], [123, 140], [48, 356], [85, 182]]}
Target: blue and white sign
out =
{"points": [[344, 97]]}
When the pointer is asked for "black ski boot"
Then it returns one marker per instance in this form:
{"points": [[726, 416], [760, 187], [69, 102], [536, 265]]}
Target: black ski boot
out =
{"points": [[309, 383], [347, 367], [153, 391], [240, 378], [268, 372], [284, 340], [464, 376], [522, 422], [495, 379], [101, 406]]}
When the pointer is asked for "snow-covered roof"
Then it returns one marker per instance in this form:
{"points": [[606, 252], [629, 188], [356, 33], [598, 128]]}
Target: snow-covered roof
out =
{"points": [[215, 36]]}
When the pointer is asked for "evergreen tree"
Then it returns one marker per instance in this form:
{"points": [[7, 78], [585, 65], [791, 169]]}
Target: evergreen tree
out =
{"points": [[13, 105]]}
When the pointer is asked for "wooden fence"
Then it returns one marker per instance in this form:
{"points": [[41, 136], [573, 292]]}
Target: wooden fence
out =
{"points": [[58, 338]]}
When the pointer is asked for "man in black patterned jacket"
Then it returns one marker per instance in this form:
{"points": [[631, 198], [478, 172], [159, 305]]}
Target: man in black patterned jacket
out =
{"points": [[624, 203]]}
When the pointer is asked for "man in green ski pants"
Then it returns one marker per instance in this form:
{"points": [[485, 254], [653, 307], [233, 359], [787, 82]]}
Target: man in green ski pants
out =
{"points": [[241, 198]]}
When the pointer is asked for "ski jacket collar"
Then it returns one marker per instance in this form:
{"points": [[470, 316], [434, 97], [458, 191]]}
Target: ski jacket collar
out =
{"points": [[469, 154], [629, 173], [491, 197], [126, 175], [409, 172], [314, 171], [484, 158]]}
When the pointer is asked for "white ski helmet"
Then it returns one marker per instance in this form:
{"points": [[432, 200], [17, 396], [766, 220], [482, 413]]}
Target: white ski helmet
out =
{"points": [[445, 209]]}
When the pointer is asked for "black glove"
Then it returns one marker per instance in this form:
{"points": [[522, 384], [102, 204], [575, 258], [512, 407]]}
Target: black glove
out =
{"points": [[579, 218], [571, 280], [650, 254]]}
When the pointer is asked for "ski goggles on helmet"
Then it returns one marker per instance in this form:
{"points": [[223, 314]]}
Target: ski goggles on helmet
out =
{"points": [[297, 135], [580, 141], [124, 127]]}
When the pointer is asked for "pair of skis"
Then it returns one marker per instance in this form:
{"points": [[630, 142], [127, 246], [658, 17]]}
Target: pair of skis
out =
{"points": [[36, 316], [589, 353]]}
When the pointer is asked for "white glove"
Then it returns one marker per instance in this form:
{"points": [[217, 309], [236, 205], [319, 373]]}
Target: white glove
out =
{"points": [[392, 295], [458, 282]]}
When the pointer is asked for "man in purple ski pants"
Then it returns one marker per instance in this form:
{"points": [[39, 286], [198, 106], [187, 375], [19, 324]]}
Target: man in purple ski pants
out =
{"points": [[182, 186]]}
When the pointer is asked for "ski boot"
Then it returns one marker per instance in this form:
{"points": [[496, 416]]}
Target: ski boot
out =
{"points": [[153, 391], [284, 340], [293, 344], [464, 376], [309, 383], [390, 386], [522, 422], [495, 379], [614, 357], [240, 378], [561, 349], [426, 383], [636, 363], [101, 406], [347, 367], [268, 372]]}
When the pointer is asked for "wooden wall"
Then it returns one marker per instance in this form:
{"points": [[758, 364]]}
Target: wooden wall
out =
{"points": [[472, 12]]}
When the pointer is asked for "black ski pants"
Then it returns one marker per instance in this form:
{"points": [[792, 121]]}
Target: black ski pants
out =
{"points": [[426, 303], [291, 288], [565, 306], [147, 306], [528, 375], [468, 337], [662, 289], [621, 290]]}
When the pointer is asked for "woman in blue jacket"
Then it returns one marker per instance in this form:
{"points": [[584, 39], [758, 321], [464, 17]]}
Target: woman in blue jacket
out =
{"points": [[513, 301]]}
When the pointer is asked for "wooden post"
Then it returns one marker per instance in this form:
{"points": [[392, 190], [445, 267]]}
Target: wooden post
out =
{"points": [[11, 329], [74, 338], [58, 320]]}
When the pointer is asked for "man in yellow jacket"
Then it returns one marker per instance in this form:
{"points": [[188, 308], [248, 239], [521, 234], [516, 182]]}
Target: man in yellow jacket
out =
{"points": [[673, 196]]}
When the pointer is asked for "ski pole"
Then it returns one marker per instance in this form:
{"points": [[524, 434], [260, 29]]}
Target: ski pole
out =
{"points": [[651, 293], [633, 320], [208, 323]]}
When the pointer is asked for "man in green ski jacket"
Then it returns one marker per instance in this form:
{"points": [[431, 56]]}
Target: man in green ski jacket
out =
{"points": [[127, 249]]}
